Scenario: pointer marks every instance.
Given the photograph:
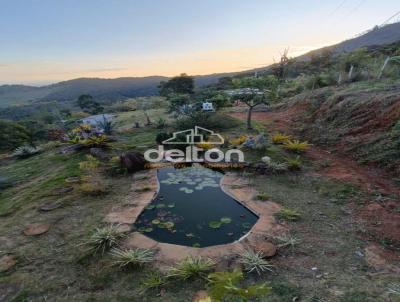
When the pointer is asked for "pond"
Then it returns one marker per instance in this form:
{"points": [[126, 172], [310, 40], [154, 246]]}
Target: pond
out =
{"points": [[191, 209]]}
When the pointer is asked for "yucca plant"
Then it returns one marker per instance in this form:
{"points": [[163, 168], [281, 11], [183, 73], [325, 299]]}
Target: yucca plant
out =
{"points": [[294, 163], [288, 214], [25, 151], [279, 138], [153, 280], [103, 239], [277, 167], [296, 146], [287, 241], [254, 262], [191, 267], [131, 258]]}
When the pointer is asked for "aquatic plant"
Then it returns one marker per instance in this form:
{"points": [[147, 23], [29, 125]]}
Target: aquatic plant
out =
{"points": [[254, 262], [136, 257], [215, 224], [226, 220], [155, 221], [191, 267]]}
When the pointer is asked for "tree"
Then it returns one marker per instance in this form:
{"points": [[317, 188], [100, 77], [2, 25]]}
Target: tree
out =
{"points": [[88, 104], [12, 135], [182, 84], [253, 97]]}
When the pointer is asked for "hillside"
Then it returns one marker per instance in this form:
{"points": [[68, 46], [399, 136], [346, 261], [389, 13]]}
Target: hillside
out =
{"points": [[128, 87]]}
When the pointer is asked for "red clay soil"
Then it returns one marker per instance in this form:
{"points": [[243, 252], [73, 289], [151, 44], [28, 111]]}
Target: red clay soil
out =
{"points": [[341, 167], [381, 219]]}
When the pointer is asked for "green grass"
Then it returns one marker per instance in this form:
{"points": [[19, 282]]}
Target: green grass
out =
{"points": [[36, 178]]}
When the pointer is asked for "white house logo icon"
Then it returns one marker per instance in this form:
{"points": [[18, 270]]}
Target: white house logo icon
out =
{"points": [[195, 136]]}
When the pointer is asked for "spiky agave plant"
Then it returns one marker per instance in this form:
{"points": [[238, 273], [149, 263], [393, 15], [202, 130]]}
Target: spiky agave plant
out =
{"points": [[153, 280], [132, 258], [287, 241], [103, 239], [191, 267], [254, 262]]}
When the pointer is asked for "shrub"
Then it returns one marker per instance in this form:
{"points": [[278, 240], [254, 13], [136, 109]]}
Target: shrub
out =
{"points": [[161, 123], [238, 141], [296, 146], [136, 257], [263, 196], [12, 135], [191, 267], [153, 280], [106, 125], [279, 138], [25, 151], [224, 286], [93, 188], [288, 214], [103, 239], [89, 164], [214, 121], [162, 136], [254, 262], [294, 163], [95, 141], [277, 167]]}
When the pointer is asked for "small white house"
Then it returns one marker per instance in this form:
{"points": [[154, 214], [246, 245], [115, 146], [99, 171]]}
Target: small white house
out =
{"points": [[207, 106]]}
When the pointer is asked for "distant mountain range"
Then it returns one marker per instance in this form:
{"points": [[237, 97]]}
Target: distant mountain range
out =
{"points": [[128, 87]]}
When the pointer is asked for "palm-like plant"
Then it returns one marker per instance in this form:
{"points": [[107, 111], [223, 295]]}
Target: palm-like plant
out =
{"points": [[136, 257], [103, 239], [191, 267], [254, 262]]}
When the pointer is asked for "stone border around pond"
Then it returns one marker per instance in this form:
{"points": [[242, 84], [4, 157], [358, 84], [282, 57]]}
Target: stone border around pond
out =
{"points": [[146, 186]]}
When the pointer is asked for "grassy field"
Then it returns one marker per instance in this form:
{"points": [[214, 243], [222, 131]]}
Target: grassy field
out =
{"points": [[328, 264]]}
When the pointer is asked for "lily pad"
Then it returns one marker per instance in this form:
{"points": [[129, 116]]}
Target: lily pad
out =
{"points": [[246, 225], [150, 207], [226, 220], [171, 205], [160, 206], [215, 224], [169, 224], [155, 221]]}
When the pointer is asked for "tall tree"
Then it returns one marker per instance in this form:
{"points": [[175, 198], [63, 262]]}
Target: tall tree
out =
{"points": [[88, 104], [182, 84]]}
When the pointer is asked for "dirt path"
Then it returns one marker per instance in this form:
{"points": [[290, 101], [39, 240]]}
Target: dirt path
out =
{"points": [[339, 166]]}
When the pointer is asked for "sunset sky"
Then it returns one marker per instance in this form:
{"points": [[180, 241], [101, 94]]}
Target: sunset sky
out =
{"points": [[46, 41]]}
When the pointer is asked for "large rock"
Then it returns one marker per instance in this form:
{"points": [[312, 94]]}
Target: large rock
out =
{"points": [[268, 249], [7, 262], [36, 229], [133, 161]]}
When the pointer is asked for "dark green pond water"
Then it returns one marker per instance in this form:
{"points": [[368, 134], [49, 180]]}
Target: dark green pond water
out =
{"points": [[191, 209]]}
